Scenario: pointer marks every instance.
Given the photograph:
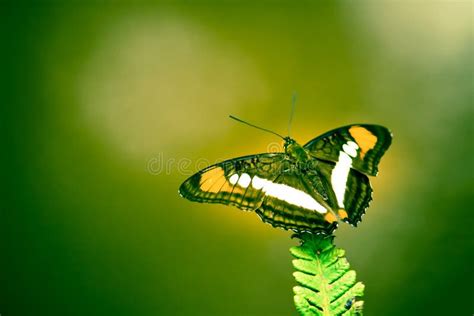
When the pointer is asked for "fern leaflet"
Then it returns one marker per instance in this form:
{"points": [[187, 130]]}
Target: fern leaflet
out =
{"points": [[326, 284]]}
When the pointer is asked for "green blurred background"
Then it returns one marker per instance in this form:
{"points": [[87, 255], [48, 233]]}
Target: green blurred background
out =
{"points": [[105, 104]]}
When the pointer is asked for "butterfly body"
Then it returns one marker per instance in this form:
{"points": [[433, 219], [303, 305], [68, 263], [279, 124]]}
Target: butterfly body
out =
{"points": [[305, 188], [304, 164], [295, 151]]}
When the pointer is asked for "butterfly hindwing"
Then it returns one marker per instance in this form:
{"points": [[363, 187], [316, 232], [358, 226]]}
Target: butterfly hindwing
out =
{"points": [[349, 191], [234, 181], [291, 202], [365, 143]]}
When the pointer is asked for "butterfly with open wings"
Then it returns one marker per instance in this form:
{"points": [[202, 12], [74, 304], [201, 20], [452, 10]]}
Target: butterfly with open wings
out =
{"points": [[306, 188]]}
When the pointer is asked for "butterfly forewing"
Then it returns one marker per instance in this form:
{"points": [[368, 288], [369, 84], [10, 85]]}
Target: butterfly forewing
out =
{"points": [[364, 143], [234, 182]]}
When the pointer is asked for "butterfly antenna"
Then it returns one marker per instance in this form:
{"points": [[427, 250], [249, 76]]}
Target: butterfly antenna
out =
{"points": [[293, 105], [260, 128]]}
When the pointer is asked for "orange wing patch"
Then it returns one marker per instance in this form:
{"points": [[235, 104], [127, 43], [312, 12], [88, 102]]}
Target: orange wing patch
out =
{"points": [[364, 139], [209, 180], [214, 181], [330, 218], [342, 214]]}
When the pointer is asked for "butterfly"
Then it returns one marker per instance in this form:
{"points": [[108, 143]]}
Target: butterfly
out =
{"points": [[307, 188]]}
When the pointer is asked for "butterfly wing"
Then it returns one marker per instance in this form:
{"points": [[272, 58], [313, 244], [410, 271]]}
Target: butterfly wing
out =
{"points": [[270, 184], [348, 190], [291, 202], [233, 182], [364, 143]]}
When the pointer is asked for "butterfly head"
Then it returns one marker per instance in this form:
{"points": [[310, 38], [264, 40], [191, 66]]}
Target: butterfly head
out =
{"points": [[288, 142]]}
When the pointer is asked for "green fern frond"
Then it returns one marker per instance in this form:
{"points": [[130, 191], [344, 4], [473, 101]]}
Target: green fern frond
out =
{"points": [[326, 285]]}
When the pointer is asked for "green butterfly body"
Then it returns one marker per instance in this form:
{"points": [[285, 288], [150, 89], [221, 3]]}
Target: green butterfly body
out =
{"points": [[305, 188]]}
